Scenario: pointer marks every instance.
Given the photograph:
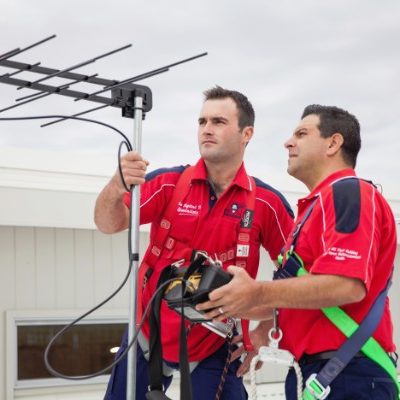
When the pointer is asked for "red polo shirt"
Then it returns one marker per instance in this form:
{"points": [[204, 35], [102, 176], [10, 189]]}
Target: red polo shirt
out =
{"points": [[204, 223], [351, 232]]}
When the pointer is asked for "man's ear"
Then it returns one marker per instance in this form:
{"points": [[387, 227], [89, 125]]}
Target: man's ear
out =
{"points": [[335, 143], [248, 132]]}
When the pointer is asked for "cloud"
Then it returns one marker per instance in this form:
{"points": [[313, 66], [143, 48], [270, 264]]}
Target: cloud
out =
{"points": [[282, 55]]}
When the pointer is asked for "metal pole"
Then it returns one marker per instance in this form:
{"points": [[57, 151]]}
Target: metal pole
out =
{"points": [[131, 358]]}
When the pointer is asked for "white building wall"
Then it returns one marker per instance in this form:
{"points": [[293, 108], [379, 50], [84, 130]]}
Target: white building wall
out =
{"points": [[45, 270]]}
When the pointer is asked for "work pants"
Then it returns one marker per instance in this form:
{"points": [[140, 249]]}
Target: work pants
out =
{"points": [[361, 379], [205, 377]]}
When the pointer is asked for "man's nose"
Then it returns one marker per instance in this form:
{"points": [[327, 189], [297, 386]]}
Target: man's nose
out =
{"points": [[288, 143], [207, 128]]}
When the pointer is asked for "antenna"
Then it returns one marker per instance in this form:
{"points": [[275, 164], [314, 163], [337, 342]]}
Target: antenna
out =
{"points": [[134, 101], [122, 92], [14, 52], [81, 64]]}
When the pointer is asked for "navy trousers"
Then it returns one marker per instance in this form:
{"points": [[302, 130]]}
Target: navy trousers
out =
{"points": [[205, 378], [362, 379]]}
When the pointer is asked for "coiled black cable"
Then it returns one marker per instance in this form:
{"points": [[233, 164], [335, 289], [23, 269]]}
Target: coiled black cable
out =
{"points": [[129, 147], [121, 356]]}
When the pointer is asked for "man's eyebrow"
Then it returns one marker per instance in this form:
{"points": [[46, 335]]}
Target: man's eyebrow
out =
{"points": [[213, 118], [219, 118]]}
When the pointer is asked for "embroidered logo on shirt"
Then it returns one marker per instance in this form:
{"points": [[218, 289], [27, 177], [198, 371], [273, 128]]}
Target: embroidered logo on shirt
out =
{"points": [[342, 254], [235, 210], [192, 210], [247, 219]]}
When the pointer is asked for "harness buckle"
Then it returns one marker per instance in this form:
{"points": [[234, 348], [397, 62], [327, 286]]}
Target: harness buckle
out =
{"points": [[223, 257], [244, 237], [179, 263], [198, 253], [297, 229], [316, 389], [170, 243], [156, 250], [165, 224]]}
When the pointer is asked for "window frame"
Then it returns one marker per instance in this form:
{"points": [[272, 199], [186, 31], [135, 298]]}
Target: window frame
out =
{"points": [[49, 317]]}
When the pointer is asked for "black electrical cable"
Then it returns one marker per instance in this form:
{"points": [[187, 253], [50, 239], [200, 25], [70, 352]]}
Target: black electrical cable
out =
{"points": [[117, 360], [128, 145], [119, 164]]}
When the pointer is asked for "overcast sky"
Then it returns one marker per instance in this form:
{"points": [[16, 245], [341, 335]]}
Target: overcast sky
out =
{"points": [[283, 55]]}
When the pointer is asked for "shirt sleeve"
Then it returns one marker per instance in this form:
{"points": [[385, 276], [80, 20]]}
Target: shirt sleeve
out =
{"points": [[155, 193], [351, 232]]}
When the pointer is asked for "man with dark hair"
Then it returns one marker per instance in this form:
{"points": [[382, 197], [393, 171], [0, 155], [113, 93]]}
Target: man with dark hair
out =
{"points": [[334, 119], [338, 258], [244, 107], [206, 208]]}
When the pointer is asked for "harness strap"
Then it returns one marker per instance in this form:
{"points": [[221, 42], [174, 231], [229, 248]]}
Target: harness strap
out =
{"points": [[154, 251], [144, 345], [243, 239], [299, 226], [359, 336], [161, 235], [162, 240], [354, 342], [157, 395], [185, 382], [243, 251], [155, 345]]}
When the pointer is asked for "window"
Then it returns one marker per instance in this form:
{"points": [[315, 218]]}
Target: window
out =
{"points": [[81, 350], [84, 349]]}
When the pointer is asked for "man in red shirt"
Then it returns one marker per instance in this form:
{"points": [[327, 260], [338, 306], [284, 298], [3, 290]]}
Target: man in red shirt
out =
{"points": [[221, 210], [347, 244]]}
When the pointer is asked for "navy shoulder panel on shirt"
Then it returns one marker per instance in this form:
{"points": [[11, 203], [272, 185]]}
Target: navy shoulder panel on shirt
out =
{"points": [[347, 202], [161, 171], [263, 185]]}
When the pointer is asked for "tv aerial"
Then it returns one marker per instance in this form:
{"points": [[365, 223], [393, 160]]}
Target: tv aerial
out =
{"points": [[133, 99], [122, 92]]}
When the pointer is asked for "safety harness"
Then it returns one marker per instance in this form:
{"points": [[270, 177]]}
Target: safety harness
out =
{"points": [[359, 335], [163, 241], [185, 286]]}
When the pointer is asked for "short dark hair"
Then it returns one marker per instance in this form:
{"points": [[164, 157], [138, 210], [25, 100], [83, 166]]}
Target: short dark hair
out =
{"points": [[246, 111], [336, 120]]}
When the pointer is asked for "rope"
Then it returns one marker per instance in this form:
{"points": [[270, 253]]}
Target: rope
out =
{"points": [[299, 376], [253, 385], [225, 370], [252, 372]]}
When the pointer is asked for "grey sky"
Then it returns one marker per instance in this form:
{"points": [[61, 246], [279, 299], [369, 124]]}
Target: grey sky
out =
{"points": [[283, 55]]}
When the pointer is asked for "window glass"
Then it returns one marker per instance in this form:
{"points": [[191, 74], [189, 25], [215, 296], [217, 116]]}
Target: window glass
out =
{"points": [[82, 350]]}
